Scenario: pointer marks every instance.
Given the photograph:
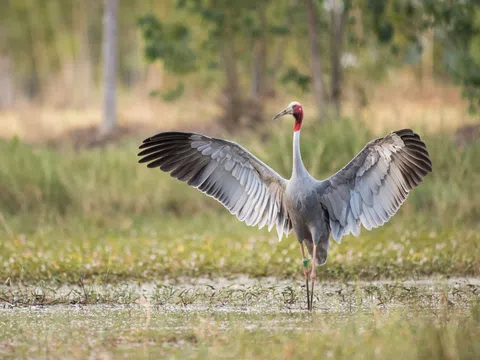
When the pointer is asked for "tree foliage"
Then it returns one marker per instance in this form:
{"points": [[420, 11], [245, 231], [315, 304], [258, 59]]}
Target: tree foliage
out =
{"points": [[250, 50], [458, 27], [400, 24]]}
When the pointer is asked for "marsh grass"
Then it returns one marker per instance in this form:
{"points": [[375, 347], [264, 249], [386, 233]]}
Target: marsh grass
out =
{"points": [[263, 295], [97, 214], [107, 182], [254, 321], [103, 258], [147, 249]]}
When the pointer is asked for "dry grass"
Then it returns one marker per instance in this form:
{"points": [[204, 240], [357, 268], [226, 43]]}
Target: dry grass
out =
{"points": [[399, 101], [34, 123], [403, 101]]}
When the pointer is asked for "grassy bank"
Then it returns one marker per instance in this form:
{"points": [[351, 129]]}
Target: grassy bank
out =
{"points": [[146, 249], [100, 215]]}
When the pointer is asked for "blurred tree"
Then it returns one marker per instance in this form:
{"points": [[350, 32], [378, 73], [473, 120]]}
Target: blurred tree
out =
{"points": [[402, 24], [109, 65], [338, 12], [457, 27], [51, 50], [259, 57], [229, 30], [317, 73], [329, 20]]}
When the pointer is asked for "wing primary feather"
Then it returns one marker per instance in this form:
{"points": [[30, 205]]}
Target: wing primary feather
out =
{"points": [[373, 185], [164, 149], [223, 170], [189, 169]]}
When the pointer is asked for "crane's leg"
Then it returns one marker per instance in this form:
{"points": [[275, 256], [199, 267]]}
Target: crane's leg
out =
{"points": [[313, 275], [305, 272]]}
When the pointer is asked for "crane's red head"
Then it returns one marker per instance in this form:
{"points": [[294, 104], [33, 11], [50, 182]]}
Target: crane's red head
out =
{"points": [[295, 109]]}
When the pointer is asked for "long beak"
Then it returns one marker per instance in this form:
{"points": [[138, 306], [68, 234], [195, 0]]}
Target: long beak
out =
{"points": [[284, 112]]}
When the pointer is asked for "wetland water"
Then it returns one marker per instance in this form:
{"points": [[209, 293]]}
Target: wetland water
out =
{"points": [[173, 317]]}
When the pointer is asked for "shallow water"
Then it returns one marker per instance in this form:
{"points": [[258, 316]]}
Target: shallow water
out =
{"points": [[244, 293], [125, 317]]}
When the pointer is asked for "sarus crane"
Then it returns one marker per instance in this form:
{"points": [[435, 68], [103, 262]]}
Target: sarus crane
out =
{"points": [[368, 191]]}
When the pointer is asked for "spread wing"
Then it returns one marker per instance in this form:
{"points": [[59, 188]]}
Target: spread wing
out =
{"points": [[371, 187], [225, 171]]}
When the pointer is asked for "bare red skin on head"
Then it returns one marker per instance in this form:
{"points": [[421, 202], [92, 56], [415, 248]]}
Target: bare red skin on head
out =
{"points": [[298, 115]]}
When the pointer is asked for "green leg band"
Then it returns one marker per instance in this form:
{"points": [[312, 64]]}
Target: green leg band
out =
{"points": [[305, 263]]}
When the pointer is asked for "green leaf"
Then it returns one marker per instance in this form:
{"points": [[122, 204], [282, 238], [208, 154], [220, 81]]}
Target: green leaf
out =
{"points": [[293, 76], [385, 32], [280, 30], [474, 49], [174, 94]]}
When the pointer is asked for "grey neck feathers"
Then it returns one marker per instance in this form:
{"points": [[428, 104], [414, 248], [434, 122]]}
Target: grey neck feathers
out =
{"points": [[298, 167]]}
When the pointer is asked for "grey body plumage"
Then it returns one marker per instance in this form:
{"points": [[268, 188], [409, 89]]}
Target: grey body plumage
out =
{"points": [[367, 191]]}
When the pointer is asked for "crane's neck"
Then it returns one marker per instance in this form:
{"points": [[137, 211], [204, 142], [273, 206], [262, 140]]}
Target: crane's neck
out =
{"points": [[298, 167]]}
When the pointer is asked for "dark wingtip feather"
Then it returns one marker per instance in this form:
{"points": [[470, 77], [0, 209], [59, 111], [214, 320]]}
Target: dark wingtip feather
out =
{"points": [[160, 142], [169, 135], [403, 132], [416, 146], [414, 160]]}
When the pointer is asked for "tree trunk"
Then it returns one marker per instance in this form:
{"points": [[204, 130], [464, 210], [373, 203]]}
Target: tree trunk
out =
{"points": [[83, 61], [259, 66], [233, 106], [277, 65], [232, 91], [33, 86], [318, 85], [109, 65], [6, 82], [337, 24], [258, 71]]}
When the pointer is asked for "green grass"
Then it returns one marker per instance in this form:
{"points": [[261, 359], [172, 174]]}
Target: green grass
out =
{"points": [[146, 249], [98, 215], [82, 232]]}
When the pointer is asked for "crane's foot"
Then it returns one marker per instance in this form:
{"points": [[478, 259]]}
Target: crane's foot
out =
{"points": [[308, 294], [305, 273], [312, 277]]}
